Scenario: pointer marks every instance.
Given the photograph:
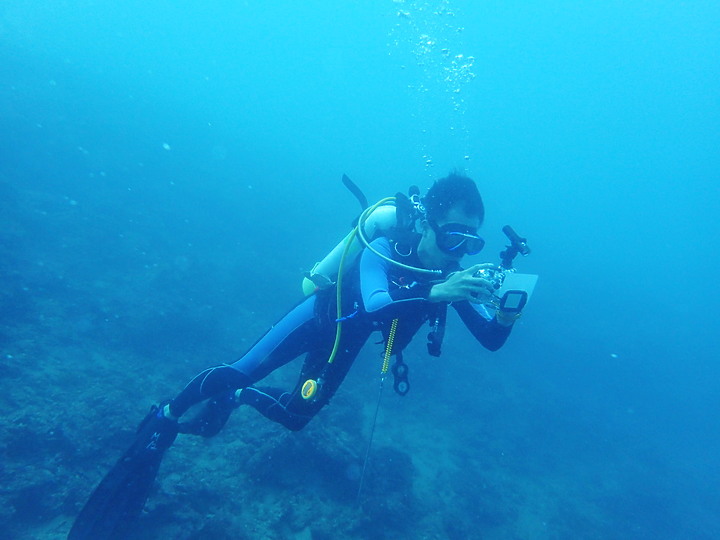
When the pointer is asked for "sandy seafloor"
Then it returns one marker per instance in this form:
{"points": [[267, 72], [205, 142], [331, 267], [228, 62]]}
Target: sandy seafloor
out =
{"points": [[169, 170]]}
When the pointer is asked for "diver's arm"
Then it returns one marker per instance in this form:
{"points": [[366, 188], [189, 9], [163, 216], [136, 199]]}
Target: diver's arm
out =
{"points": [[483, 324], [374, 280]]}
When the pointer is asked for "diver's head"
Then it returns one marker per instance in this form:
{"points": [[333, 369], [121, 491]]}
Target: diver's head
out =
{"points": [[454, 211]]}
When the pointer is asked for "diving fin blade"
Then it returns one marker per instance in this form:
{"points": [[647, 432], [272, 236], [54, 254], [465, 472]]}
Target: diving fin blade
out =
{"points": [[117, 502]]}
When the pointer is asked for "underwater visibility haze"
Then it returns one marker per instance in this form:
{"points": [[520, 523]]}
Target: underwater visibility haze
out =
{"points": [[169, 170]]}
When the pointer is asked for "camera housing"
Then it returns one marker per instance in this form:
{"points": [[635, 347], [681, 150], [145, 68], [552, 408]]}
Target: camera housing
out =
{"points": [[493, 275]]}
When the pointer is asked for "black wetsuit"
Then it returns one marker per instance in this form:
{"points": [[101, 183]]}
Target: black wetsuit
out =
{"points": [[374, 293]]}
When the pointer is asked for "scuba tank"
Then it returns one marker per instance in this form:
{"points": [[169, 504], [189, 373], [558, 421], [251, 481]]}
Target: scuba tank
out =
{"points": [[393, 216], [325, 272]]}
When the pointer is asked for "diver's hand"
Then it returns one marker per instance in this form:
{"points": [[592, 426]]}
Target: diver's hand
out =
{"points": [[464, 285]]}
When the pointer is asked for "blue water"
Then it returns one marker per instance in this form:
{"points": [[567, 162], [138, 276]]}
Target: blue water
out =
{"points": [[169, 169]]}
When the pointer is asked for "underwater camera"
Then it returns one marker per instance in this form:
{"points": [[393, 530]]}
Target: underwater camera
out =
{"points": [[512, 290]]}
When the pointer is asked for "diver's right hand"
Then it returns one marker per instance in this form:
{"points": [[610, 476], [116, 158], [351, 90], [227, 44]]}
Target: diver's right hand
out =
{"points": [[464, 285]]}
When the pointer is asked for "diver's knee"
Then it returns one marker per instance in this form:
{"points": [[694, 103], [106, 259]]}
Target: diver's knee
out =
{"points": [[296, 423]]}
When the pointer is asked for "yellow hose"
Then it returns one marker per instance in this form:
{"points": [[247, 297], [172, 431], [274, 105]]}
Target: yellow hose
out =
{"points": [[357, 231], [388, 348], [311, 385]]}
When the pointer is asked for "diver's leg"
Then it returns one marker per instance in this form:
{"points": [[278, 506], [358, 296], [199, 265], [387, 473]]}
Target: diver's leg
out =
{"points": [[205, 385], [121, 495], [283, 342], [289, 408]]}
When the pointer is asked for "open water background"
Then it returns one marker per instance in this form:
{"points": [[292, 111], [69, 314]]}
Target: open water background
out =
{"points": [[169, 169]]}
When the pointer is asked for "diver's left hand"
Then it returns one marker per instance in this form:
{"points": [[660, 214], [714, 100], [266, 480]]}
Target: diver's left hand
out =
{"points": [[464, 285]]}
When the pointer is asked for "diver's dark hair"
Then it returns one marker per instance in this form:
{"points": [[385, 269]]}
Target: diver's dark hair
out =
{"points": [[455, 190]]}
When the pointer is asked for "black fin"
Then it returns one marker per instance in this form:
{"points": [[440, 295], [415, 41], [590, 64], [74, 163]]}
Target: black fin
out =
{"points": [[114, 507]]}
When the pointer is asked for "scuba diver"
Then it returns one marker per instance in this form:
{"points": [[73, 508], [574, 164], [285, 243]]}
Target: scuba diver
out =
{"points": [[391, 276]]}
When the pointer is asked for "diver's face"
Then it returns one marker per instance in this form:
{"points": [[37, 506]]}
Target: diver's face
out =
{"points": [[430, 254]]}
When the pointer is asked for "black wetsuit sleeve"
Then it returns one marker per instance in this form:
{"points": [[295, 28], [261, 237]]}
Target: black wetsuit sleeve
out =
{"points": [[375, 281], [487, 331]]}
